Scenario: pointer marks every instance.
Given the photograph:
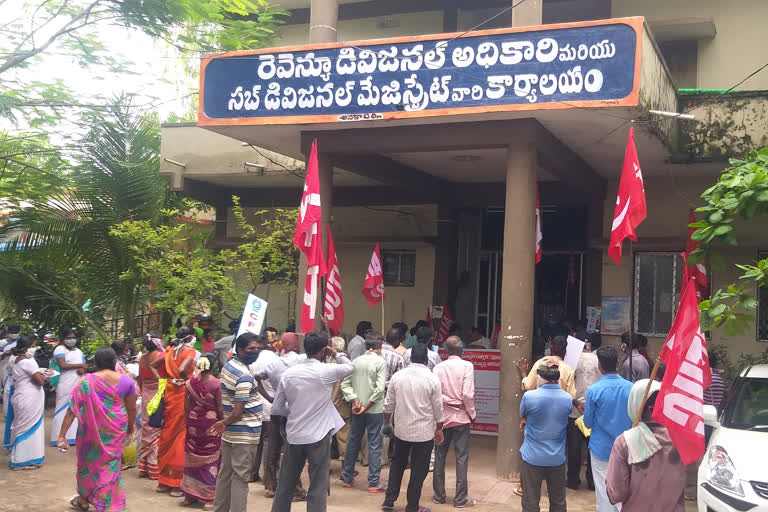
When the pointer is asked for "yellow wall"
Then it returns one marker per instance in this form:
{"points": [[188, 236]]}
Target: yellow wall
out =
{"points": [[356, 231], [665, 229], [736, 50], [430, 22]]}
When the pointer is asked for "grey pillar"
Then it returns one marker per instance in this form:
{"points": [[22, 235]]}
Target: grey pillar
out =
{"points": [[517, 289]]}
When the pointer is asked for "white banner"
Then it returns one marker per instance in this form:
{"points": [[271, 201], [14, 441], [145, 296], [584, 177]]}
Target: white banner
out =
{"points": [[253, 316]]}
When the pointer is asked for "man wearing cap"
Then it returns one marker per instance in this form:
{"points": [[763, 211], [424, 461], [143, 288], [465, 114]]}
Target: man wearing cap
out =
{"points": [[544, 412]]}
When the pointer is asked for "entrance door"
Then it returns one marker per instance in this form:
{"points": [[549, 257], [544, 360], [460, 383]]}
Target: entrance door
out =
{"points": [[558, 289]]}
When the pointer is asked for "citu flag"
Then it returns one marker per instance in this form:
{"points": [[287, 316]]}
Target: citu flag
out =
{"points": [[630, 201], [446, 322], [307, 239], [680, 403], [539, 237], [697, 272], [373, 287], [334, 299]]}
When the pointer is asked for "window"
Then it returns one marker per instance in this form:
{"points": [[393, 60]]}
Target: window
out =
{"points": [[399, 267], [762, 308], [657, 291]]}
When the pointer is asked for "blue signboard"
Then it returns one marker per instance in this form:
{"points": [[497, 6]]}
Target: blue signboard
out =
{"points": [[493, 70]]}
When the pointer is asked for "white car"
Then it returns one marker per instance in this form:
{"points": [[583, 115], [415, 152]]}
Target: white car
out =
{"points": [[734, 473]]}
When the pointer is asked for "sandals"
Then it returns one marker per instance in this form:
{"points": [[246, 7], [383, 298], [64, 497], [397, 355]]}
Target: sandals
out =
{"points": [[349, 484], [269, 494], [74, 502], [177, 494], [381, 489], [518, 490]]}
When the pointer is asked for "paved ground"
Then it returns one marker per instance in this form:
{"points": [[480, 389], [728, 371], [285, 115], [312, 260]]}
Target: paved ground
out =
{"points": [[49, 488]]}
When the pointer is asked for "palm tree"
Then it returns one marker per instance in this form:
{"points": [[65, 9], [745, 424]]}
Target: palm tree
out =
{"points": [[115, 179]]}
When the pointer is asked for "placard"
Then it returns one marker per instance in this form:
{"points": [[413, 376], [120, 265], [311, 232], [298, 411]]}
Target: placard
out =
{"points": [[614, 316], [253, 315], [589, 63]]}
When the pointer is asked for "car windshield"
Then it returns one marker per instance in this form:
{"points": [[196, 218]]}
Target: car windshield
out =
{"points": [[749, 408]]}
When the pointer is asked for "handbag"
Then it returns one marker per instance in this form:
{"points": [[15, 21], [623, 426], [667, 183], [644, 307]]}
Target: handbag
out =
{"points": [[156, 406], [156, 418]]}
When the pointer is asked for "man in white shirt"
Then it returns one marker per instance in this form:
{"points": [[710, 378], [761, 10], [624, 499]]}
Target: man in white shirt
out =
{"points": [[356, 346], [415, 399], [304, 397], [271, 373], [265, 360], [587, 372]]}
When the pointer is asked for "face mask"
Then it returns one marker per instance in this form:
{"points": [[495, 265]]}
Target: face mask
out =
{"points": [[251, 356], [70, 342], [14, 336]]}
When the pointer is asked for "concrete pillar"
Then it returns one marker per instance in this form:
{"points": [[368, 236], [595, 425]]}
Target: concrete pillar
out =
{"points": [[517, 290], [322, 29], [527, 13], [323, 16]]}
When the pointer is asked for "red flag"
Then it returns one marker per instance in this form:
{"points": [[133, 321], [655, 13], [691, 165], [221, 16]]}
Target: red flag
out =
{"points": [[373, 287], [679, 405], [539, 238], [446, 322], [696, 272], [334, 300], [307, 239], [630, 201]]}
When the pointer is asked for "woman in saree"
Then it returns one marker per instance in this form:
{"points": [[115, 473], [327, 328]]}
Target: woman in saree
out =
{"points": [[202, 449], [104, 404], [178, 361], [25, 435], [148, 382], [71, 362]]}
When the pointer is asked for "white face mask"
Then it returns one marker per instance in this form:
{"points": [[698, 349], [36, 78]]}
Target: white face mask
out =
{"points": [[70, 342], [14, 336]]}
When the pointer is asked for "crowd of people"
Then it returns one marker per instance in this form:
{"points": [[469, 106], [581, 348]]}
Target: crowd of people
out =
{"points": [[209, 415]]}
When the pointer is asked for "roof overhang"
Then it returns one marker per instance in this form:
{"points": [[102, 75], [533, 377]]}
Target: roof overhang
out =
{"points": [[584, 82]]}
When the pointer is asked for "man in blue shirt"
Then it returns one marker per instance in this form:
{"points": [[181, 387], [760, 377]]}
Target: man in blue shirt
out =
{"points": [[545, 412], [605, 412]]}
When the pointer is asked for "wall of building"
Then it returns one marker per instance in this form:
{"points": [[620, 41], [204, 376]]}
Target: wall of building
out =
{"points": [[732, 54], [665, 229], [356, 231], [430, 22]]}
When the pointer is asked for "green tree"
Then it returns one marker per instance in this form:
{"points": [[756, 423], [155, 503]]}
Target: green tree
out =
{"points": [[741, 191], [75, 29], [171, 259], [115, 180]]}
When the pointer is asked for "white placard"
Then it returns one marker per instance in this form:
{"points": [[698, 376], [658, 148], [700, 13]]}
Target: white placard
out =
{"points": [[573, 352], [253, 315]]}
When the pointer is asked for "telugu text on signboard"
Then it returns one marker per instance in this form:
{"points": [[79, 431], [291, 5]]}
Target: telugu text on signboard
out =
{"points": [[370, 81]]}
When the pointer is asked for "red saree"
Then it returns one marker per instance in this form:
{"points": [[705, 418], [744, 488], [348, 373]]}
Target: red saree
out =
{"points": [[170, 446]]}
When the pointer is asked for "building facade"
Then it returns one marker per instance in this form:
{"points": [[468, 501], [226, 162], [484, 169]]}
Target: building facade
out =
{"points": [[435, 146]]}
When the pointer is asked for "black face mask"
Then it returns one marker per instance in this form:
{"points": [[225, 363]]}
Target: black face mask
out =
{"points": [[251, 356]]}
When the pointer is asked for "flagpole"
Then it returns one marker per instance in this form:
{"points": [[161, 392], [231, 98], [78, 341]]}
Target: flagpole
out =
{"points": [[645, 395], [382, 316], [631, 306]]}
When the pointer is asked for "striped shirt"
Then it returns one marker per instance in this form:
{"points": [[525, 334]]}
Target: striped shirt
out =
{"points": [[237, 385], [394, 360], [714, 394]]}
